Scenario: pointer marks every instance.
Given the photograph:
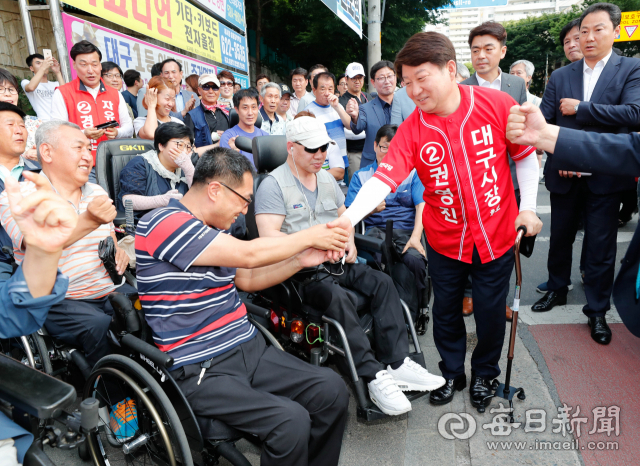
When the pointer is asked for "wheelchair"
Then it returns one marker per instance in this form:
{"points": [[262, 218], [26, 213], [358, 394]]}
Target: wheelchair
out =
{"points": [[317, 340]]}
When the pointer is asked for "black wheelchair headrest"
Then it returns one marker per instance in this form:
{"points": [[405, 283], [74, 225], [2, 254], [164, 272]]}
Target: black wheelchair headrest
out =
{"points": [[269, 152], [112, 156], [234, 119]]}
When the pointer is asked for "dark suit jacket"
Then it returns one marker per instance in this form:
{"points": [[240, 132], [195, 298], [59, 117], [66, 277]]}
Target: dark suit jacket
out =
{"points": [[516, 88], [618, 155], [613, 108], [370, 119]]}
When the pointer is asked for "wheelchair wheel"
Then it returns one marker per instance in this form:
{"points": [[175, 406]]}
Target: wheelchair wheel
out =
{"points": [[31, 350], [159, 437]]}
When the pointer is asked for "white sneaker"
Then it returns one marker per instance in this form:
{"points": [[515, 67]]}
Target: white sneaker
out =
{"points": [[411, 376], [384, 392]]}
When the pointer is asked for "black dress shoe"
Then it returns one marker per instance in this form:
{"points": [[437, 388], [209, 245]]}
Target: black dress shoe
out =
{"points": [[444, 394], [479, 392], [600, 331], [548, 301]]}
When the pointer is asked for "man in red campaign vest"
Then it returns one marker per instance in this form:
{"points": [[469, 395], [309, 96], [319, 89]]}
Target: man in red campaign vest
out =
{"points": [[87, 102], [456, 141]]}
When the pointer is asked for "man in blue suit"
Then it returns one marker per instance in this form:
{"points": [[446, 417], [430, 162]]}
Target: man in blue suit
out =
{"points": [[600, 93], [583, 151], [376, 113]]}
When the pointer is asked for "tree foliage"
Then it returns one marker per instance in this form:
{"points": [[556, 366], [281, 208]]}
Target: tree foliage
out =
{"points": [[309, 33], [537, 38]]}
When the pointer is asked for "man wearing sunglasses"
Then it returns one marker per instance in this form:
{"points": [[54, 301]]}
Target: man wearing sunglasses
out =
{"points": [[299, 195], [209, 119]]}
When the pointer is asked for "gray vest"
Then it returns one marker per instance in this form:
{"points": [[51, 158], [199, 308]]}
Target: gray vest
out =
{"points": [[298, 216]]}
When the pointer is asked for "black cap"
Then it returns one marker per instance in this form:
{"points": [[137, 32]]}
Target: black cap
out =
{"points": [[7, 107], [285, 89]]}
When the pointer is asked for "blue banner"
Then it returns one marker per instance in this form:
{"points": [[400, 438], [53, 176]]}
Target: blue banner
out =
{"points": [[460, 4], [349, 11], [234, 49]]}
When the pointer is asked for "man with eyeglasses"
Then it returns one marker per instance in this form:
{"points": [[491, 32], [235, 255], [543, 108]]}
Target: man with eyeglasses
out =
{"points": [[209, 119], [189, 293], [296, 197], [355, 142], [88, 102], [371, 116]]}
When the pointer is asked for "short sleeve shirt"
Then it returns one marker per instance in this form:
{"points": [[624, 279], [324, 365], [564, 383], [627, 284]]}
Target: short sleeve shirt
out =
{"points": [[194, 312], [462, 162], [88, 279]]}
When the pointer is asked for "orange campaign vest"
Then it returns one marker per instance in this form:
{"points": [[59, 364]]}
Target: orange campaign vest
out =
{"points": [[86, 112]]}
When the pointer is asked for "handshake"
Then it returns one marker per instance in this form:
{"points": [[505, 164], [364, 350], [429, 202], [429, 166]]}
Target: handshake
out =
{"points": [[330, 242]]}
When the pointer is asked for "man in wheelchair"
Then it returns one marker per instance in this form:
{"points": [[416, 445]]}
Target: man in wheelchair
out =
{"points": [[405, 208], [46, 221], [298, 195], [188, 270]]}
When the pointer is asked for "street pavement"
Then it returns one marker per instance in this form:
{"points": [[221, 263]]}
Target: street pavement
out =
{"points": [[555, 362]]}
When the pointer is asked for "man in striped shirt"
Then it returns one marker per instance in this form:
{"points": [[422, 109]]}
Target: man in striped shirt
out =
{"points": [[83, 318], [188, 269]]}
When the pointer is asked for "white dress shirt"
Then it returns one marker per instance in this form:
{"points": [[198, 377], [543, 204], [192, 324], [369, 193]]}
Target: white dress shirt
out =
{"points": [[496, 84], [59, 111], [591, 76]]}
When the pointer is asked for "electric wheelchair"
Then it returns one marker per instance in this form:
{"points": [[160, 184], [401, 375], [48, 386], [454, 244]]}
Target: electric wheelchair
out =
{"points": [[317, 339]]}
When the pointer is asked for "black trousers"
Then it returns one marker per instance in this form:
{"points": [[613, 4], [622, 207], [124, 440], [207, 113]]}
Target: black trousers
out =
{"points": [[599, 249], [329, 296], [489, 284], [297, 410], [84, 323]]}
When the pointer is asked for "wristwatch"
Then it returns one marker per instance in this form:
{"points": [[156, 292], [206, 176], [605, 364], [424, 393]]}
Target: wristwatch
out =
{"points": [[575, 109]]}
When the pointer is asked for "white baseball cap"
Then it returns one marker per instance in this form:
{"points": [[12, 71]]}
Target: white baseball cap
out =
{"points": [[208, 78], [354, 69], [308, 131]]}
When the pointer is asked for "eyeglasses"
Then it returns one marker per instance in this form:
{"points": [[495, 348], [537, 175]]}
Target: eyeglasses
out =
{"points": [[8, 90], [180, 145], [248, 201], [313, 151], [389, 78], [208, 87], [112, 76], [226, 83], [383, 148]]}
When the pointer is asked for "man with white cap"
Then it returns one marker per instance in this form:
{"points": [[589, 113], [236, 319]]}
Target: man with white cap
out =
{"points": [[355, 142], [298, 195], [209, 119]]}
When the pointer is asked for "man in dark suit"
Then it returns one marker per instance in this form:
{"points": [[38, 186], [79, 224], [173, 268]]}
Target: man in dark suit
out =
{"points": [[584, 151], [488, 47], [376, 113], [600, 93]]}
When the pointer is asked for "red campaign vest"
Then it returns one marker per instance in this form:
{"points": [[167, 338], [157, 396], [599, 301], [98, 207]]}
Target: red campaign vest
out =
{"points": [[87, 113]]}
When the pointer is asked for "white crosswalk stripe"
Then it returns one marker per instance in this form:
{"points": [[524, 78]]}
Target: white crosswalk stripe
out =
{"points": [[567, 314]]}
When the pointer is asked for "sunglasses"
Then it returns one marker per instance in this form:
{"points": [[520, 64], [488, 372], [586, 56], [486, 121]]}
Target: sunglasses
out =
{"points": [[208, 87], [313, 151], [226, 83]]}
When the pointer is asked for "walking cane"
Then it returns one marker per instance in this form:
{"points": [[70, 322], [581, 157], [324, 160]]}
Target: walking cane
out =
{"points": [[504, 390]]}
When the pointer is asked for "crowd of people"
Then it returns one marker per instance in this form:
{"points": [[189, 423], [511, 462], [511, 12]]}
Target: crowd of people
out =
{"points": [[453, 158]]}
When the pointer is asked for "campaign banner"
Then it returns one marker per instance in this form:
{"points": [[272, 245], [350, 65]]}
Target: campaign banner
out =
{"points": [[231, 10], [175, 22], [234, 48], [131, 53], [349, 11]]}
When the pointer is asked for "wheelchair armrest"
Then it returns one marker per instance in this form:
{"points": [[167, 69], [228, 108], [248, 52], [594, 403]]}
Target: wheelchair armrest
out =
{"points": [[33, 391], [257, 310], [153, 353], [369, 243]]}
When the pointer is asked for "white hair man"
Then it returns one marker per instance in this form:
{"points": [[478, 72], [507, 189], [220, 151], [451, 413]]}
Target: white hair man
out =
{"points": [[270, 96], [462, 72], [525, 69]]}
